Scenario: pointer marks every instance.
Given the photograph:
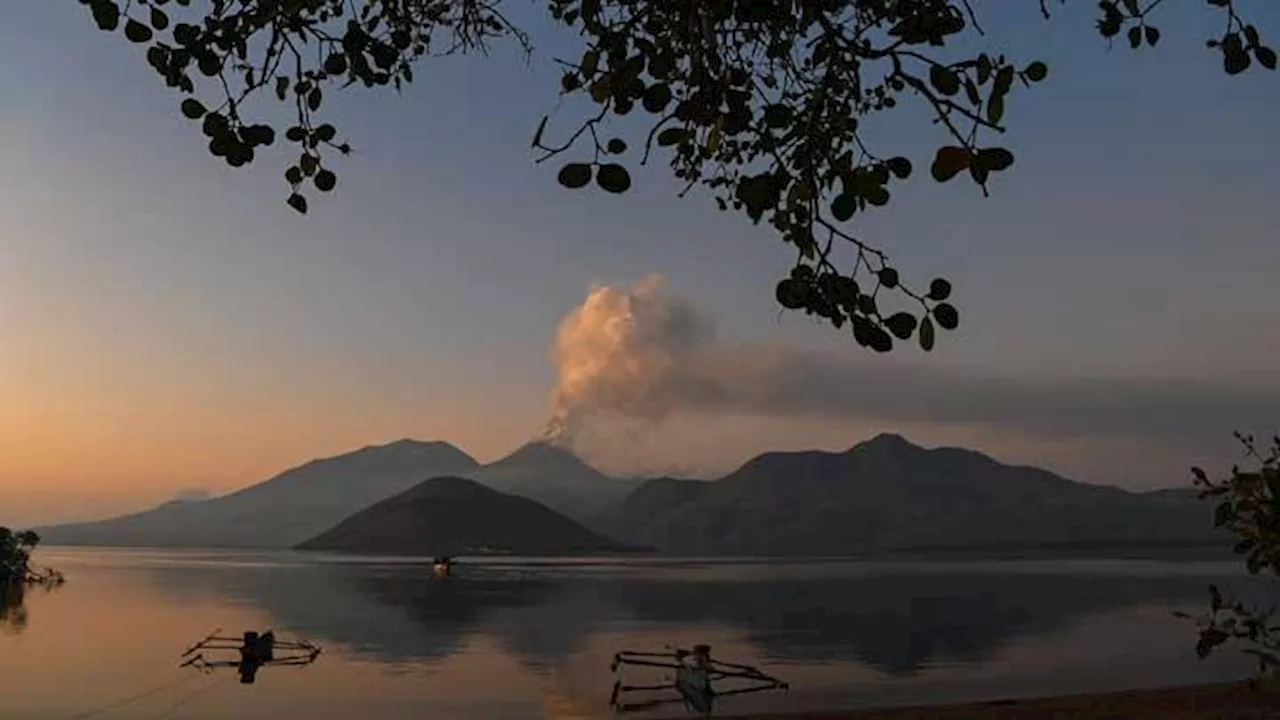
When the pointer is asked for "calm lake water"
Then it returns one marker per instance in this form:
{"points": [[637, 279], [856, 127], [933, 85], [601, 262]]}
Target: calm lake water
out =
{"points": [[528, 639]]}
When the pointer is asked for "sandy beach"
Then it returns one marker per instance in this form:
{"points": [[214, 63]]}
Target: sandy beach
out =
{"points": [[1233, 701]]}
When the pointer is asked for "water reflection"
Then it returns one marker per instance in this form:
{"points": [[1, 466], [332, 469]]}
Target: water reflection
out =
{"points": [[901, 623], [13, 612], [401, 615], [897, 621], [508, 639], [14, 616]]}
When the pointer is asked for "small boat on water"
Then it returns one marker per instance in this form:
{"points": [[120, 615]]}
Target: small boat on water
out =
{"points": [[255, 651], [695, 670], [442, 566]]}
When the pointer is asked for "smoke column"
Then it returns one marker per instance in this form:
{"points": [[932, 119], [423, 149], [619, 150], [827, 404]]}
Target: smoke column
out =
{"points": [[629, 357], [621, 352]]}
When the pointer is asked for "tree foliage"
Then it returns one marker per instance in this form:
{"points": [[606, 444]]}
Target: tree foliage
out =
{"points": [[1249, 507], [758, 101], [16, 574], [15, 554]]}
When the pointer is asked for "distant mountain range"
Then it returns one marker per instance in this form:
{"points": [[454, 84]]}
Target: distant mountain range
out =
{"points": [[888, 495], [281, 511], [300, 503], [456, 516], [885, 495]]}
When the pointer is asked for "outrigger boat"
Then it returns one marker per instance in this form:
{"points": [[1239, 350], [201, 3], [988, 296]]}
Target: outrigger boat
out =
{"points": [[695, 670], [255, 650]]}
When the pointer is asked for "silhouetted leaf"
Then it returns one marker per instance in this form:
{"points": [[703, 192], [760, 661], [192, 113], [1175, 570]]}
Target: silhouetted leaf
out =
{"points": [[1223, 514], [325, 133], [994, 159], [137, 32], [209, 64], [901, 324], [1251, 35], [880, 340], [1234, 58], [790, 294], [575, 175], [159, 20], [888, 277], [106, 13], [185, 34], [1153, 35], [193, 109], [617, 146], [944, 80], [1004, 81], [926, 334], [656, 97], [995, 109], [325, 180], [1135, 36], [876, 195], [672, 136], [899, 166], [777, 116], [336, 64], [293, 175], [844, 206], [946, 315], [1037, 71], [948, 162], [214, 124], [613, 178], [259, 134], [1266, 57], [939, 290], [299, 203]]}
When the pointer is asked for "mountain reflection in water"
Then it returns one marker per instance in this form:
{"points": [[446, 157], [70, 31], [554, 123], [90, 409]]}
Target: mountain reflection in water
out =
{"points": [[514, 639]]}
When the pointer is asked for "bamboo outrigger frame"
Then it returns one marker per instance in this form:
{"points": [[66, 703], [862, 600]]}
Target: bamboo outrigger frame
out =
{"points": [[695, 671], [255, 651]]}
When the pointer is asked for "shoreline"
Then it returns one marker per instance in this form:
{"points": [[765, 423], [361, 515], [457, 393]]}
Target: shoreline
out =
{"points": [[1217, 701], [1172, 552]]}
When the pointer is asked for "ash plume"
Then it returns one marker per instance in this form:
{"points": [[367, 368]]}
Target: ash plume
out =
{"points": [[623, 351], [639, 354]]}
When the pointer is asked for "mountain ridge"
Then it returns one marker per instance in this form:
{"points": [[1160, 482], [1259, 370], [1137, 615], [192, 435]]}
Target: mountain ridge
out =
{"points": [[887, 495], [279, 511], [458, 516], [884, 494], [556, 477]]}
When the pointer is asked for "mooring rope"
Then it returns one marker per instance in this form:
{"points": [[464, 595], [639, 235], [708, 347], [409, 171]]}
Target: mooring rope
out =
{"points": [[192, 696], [117, 704]]}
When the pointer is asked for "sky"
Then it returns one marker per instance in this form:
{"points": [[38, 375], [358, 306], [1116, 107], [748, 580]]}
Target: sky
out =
{"points": [[168, 326]]}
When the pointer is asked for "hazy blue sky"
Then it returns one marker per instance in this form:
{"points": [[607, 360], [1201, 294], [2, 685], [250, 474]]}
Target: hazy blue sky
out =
{"points": [[167, 323]]}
